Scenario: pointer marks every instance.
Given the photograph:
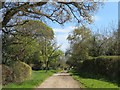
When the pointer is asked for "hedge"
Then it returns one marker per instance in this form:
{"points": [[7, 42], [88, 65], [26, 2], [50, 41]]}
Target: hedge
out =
{"points": [[22, 71], [107, 66], [7, 75]]}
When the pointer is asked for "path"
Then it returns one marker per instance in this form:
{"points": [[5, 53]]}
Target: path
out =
{"points": [[60, 80]]}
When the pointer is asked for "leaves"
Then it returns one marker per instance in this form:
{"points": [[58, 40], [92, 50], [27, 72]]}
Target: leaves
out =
{"points": [[60, 12], [33, 43]]}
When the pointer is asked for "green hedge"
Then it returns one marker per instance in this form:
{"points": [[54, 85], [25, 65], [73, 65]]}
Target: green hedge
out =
{"points": [[105, 65], [7, 75], [22, 71]]}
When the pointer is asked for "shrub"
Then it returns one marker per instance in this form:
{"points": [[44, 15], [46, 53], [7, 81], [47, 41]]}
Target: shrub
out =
{"points": [[7, 75], [107, 66], [22, 71]]}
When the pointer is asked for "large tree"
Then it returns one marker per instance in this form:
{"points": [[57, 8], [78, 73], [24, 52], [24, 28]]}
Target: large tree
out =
{"points": [[28, 39], [59, 12], [32, 43]]}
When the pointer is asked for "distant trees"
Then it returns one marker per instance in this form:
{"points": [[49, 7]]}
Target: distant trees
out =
{"points": [[79, 45], [97, 45], [112, 44], [85, 44]]}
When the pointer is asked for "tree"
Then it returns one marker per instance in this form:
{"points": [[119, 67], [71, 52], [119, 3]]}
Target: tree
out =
{"points": [[104, 43], [26, 42], [59, 12], [52, 55], [79, 46], [34, 44], [112, 44], [97, 45]]}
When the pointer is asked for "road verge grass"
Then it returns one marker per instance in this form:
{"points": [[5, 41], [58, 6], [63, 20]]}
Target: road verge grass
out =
{"points": [[37, 78], [92, 81]]}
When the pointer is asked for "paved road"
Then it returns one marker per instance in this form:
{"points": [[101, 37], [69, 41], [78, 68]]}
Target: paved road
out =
{"points": [[60, 80]]}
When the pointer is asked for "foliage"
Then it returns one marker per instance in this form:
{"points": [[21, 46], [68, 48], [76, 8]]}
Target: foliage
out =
{"points": [[44, 11], [34, 44], [33, 28], [95, 54], [106, 66], [85, 45], [92, 81], [96, 45], [102, 44], [79, 46], [57, 60], [22, 71], [7, 75], [37, 78]]}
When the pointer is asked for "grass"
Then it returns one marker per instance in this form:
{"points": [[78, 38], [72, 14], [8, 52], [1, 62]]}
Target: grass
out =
{"points": [[92, 81], [37, 78]]}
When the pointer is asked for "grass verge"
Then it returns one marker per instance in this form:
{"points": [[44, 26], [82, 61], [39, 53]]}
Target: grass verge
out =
{"points": [[37, 78], [92, 81]]}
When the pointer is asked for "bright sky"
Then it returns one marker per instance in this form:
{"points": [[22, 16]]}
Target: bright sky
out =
{"points": [[102, 19]]}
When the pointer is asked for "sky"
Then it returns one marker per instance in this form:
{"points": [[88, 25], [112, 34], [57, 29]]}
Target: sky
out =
{"points": [[103, 18]]}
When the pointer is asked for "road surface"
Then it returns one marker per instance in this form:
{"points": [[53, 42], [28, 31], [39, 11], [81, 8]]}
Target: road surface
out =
{"points": [[60, 80]]}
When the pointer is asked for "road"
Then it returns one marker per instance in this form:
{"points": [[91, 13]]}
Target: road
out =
{"points": [[60, 80]]}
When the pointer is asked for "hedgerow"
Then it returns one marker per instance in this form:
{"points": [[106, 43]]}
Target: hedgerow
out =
{"points": [[107, 66], [7, 75], [22, 71]]}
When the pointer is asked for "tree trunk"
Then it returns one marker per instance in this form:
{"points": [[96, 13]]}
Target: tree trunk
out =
{"points": [[46, 66]]}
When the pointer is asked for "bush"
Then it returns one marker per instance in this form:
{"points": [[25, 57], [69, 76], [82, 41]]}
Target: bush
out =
{"points": [[22, 71], [107, 66], [7, 75]]}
